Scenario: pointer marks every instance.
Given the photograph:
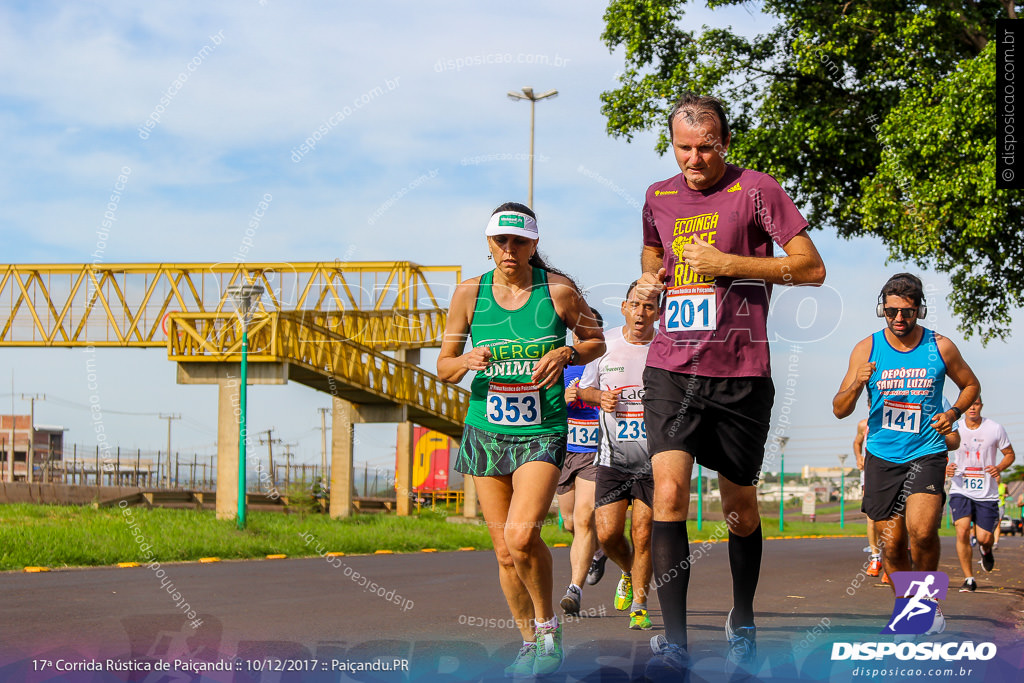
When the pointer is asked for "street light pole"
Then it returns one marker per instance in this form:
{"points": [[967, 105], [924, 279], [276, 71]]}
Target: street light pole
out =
{"points": [[700, 498], [528, 94], [842, 490], [243, 296], [782, 440], [10, 451]]}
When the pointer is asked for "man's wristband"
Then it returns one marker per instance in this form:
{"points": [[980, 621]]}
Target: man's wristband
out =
{"points": [[574, 355], [958, 412]]}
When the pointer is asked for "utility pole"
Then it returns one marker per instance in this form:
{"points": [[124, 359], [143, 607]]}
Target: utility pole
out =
{"points": [[30, 455], [288, 464], [270, 441], [169, 418], [323, 448]]}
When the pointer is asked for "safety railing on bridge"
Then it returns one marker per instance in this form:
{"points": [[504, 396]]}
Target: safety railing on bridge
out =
{"points": [[295, 338]]}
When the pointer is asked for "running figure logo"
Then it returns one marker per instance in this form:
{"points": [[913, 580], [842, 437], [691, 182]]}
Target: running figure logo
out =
{"points": [[914, 613]]}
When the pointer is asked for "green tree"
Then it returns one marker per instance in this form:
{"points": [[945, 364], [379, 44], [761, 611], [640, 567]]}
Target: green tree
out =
{"points": [[877, 116], [1015, 473]]}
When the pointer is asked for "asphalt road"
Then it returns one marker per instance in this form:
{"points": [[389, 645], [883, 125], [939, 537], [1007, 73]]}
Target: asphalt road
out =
{"points": [[443, 616]]}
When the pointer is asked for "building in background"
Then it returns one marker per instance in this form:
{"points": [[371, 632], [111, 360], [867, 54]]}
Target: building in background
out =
{"points": [[47, 445]]}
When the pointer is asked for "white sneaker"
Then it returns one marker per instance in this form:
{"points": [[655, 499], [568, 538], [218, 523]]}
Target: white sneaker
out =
{"points": [[939, 624]]}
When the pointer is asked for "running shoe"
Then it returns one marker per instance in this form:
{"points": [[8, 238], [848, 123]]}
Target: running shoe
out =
{"points": [[624, 593], [939, 623], [670, 662], [522, 665], [596, 570], [988, 560], [549, 654], [639, 621], [969, 586], [742, 646], [570, 604], [875, 565]]}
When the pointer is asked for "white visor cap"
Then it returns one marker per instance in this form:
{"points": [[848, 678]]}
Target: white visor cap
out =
{"points": [[512, 223]]}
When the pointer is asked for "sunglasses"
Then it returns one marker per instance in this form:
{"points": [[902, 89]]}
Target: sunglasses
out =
{"points": [[907, 312]]}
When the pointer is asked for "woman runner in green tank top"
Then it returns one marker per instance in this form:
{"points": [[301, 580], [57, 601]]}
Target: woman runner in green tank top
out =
{"points": [[505, 399], [515, 435]]}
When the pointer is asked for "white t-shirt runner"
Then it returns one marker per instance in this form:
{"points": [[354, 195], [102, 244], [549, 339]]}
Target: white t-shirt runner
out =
{"points": [[623, 432], [979, 448]]}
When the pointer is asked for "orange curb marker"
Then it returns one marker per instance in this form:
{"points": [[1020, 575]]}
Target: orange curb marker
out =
{"points": [[383, 552], [276, 557], [334, 555], [428, 550], [468, 548], [560, 545], [206, 560], [126, 565], [36, 570]]}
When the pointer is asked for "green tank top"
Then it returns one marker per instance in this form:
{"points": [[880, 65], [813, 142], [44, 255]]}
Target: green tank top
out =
{"points": [[503, 398]]}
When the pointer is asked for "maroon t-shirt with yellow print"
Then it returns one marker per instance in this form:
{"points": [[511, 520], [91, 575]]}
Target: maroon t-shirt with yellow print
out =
{"points": [[716, 327]]}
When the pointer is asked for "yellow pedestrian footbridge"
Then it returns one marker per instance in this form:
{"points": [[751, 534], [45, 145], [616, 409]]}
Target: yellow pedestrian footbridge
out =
{"points": [[350, 329]]}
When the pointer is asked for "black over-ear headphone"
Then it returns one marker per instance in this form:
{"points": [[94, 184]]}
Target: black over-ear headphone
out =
{"points": [[922, 309]]}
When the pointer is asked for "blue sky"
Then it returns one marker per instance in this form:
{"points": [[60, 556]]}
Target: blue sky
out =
{"points": [[79, 80]]}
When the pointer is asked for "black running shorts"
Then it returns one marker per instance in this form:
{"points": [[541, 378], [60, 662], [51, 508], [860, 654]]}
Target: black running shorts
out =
{"points": [[887, 485], [614, 485], [722, 422]]}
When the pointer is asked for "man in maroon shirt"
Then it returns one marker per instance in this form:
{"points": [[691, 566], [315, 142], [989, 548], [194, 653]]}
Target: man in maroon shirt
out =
{"points": [[708, 248]]}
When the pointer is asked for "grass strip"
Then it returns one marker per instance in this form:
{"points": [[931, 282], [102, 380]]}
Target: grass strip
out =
{"points": [[68, 536]]}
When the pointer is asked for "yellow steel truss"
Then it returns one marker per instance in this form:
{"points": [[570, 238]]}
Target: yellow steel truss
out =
{"points": [[326, 320], [381, 304]]}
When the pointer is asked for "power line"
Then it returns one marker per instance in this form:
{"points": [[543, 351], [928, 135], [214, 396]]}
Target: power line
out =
{"points": [[84, 406]]}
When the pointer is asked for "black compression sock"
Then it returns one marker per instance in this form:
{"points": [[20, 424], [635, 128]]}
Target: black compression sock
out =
{"points": [[670, 552], [745, 563]]}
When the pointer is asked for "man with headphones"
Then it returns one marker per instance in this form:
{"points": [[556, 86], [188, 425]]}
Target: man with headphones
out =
{"points": [[904, 367]]}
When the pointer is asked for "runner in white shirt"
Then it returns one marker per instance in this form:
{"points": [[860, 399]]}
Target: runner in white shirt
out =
{"points": [[984, 452], [576, 489], [615, 382]]}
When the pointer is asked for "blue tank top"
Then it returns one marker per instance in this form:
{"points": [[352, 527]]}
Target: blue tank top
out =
{"points": [[583, 417], [905, 393]]}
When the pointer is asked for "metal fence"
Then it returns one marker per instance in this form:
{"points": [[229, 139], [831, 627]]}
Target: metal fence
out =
{"points": [[91, 465]]}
